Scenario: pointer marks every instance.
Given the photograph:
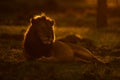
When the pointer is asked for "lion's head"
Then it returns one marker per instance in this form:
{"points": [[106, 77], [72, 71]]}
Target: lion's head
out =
{"points": [[44, 27]]}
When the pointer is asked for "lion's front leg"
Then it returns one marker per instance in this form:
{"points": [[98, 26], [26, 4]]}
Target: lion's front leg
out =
{"points": [[78, 59], [48, 59]]}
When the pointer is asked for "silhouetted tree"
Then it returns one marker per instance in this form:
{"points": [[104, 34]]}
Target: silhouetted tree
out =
{"points": [[102, 13]]}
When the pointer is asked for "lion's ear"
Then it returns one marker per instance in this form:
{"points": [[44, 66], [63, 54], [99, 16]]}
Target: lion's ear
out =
{"points": [[37, 19], [33, 21]]}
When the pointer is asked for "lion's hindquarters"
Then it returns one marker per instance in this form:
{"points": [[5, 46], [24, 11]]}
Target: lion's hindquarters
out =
{"points": [[84, 54]]}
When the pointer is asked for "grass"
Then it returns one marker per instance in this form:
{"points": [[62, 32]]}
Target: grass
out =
{"points": [[13, 66], [58, 71]]}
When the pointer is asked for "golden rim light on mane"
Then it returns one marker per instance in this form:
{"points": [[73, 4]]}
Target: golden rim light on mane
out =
{"points": [[42, 15]]}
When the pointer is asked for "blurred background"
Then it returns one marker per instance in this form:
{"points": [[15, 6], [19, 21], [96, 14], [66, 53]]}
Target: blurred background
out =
{"points": [[65, 12], [97, 20]]}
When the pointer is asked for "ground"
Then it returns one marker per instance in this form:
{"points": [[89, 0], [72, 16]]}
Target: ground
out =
{"points": [[105, 43]]}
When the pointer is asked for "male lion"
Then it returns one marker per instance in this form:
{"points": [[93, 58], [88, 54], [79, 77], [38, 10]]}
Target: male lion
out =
{"points": [[40, 43], [39, 37]]}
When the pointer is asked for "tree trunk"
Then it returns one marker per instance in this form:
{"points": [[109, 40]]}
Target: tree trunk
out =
{"points": [[102, 13], [117, 3]]}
